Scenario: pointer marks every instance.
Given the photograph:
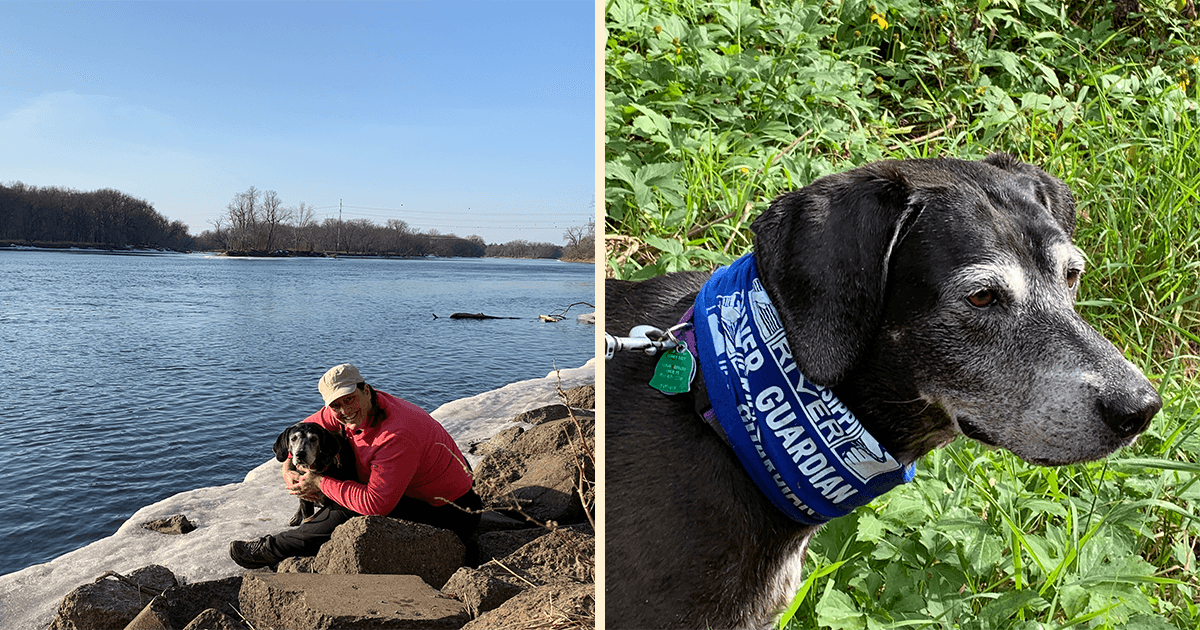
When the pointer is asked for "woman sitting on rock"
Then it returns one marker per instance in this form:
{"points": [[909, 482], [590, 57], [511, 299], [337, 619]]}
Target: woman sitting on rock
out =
{"points": [[409, 465]]}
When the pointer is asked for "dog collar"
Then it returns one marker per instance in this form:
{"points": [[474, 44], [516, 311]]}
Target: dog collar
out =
{"points": [[804, 449]]}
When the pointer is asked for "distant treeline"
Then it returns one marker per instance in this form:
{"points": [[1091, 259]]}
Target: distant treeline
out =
{"points": [[255, 222], [524, 249], [103, 218]]}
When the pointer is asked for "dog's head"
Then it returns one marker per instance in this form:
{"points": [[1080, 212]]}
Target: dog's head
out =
{"points": [[948, 287], [311, 446]]}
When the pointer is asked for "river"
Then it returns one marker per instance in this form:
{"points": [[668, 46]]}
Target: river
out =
{"points": [[125, 379]]}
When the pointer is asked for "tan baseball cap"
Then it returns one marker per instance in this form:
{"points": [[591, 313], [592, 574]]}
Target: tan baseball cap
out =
{"points": [[338, 381]]}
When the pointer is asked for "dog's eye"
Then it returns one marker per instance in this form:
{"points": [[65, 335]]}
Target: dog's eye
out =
{"points": [[1073, 277], [982, 298]]}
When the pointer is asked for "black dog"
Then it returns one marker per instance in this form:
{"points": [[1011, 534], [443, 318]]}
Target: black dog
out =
{"points": [[317, 449], [931, 297]]}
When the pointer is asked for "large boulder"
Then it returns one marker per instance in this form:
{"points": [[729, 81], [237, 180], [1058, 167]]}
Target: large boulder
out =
{"points": [[501, 440], [501, 543], [112, 601], [542, 415], [378, 544], [213, 619], [563, 555], [559, 556], [582, 397], [298, 564], [491, 521], [561, 605], [298, 600], [482, 590], [179, 606], [538, 474]]}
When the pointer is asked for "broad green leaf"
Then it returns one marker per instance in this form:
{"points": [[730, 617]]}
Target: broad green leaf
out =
{"points": [[1007, 605], [618, 170], [870, 529], [837, 611], [666, 245]]}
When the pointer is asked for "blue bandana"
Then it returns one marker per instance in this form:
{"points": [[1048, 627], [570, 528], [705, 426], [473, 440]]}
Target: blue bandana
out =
{"points": [[800, 444]]}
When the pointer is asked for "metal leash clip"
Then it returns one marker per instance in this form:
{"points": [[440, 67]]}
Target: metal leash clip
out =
{"points": [[648, 339]]}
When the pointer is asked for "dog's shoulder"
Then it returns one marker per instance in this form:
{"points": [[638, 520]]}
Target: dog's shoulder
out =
{"points": [[653, 301]]}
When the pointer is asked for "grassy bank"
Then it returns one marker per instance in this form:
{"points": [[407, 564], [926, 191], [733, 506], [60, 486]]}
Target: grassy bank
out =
{"points": [[714, 108]]}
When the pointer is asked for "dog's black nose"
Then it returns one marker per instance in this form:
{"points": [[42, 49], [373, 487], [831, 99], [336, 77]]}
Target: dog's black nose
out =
{"points": [[1128, 413]]}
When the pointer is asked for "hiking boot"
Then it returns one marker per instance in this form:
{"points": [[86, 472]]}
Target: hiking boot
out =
{"points": [[253, 554]]}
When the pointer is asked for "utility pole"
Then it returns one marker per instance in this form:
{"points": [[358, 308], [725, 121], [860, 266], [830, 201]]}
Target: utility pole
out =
{"points": [[339, 243]]}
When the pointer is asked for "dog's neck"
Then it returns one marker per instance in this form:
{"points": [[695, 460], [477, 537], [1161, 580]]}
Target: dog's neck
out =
{"points": [[804, 449], [905, 423]]}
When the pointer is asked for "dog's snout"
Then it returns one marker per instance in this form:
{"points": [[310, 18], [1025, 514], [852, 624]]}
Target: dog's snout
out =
{"points": [[1128, 413]]}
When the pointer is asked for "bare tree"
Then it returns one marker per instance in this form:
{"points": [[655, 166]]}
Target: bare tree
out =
{"points": [[581, 242], [243, 219], [218, 236], [274, 216], [304, 220]]}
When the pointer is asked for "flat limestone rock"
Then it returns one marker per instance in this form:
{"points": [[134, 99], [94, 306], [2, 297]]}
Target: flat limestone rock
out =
{"points": [[306, 600]]}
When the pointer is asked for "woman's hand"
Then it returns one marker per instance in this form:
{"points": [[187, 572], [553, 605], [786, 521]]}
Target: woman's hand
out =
{"points": [[307, 486], [291, 476], [304, 484]]}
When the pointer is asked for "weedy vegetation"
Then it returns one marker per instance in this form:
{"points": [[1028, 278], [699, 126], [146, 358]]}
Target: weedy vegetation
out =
{"points": [[713, 108]]}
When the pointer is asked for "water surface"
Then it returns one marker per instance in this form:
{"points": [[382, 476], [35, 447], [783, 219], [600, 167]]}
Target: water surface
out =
{"points": [[125, 379]]}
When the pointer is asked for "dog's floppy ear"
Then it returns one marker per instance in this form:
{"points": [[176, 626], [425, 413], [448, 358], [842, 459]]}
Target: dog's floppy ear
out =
{"points": [[1049, 190], [330, 446], [281, 443], [823, 255]]}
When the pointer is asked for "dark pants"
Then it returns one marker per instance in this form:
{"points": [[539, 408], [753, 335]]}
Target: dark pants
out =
{"points": [[307, 539]]}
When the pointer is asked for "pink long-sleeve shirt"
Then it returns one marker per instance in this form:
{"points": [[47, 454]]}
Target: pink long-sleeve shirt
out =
{"points": [[407, 454]]}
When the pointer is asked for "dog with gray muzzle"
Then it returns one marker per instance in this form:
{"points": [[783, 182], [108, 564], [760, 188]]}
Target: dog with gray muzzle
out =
{"points": [[884, 311], [313, 447]]}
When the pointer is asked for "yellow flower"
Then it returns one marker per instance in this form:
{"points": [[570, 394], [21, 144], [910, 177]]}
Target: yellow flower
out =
{"points": [[880, 20]]}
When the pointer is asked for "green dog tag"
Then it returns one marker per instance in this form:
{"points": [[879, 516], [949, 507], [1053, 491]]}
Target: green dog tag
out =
{"points": [[674, 372]]}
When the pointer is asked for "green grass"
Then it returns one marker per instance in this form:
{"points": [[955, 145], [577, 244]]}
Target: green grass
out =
{"points": [[712, 109]]}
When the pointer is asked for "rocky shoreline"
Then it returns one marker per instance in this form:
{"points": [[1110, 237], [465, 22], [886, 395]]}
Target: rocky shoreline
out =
{"points": [[258, 505], [536, 541]]}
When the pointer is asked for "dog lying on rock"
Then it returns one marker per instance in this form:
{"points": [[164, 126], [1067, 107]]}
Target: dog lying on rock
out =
{"points": [[884, 311]]}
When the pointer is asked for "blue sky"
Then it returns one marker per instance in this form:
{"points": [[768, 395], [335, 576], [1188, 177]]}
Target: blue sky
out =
{"points": [[464, 117]]}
